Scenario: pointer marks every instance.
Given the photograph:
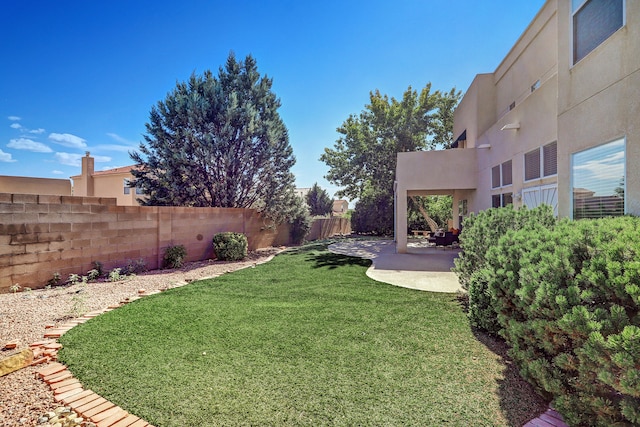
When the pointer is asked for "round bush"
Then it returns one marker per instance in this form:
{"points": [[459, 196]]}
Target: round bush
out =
{"points": [[230, 246]]}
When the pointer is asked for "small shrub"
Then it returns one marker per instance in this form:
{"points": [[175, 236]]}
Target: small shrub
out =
{"points": [[135, 266], [14, 288], [479, 234], [230, 246], [93, 275], [97, 266], [74, 279], [55, 280], [115, 275], [174, 256]]}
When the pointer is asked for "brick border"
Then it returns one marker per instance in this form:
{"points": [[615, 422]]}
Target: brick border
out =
{"points": [[68, 390]]}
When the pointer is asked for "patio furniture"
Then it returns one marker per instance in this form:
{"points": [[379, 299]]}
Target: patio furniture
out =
{"points": [[448, 239]]}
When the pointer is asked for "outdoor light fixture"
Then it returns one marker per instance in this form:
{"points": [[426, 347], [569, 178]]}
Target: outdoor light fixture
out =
{"points": [[510, 126], [483, 146]]}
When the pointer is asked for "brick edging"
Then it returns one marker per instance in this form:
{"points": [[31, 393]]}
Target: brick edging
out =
{"points": [[68, 390]]}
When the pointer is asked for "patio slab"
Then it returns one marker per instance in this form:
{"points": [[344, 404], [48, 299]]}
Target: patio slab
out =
{"points": [[423, 267]]}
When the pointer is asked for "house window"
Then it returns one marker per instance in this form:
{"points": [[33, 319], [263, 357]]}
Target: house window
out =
{"points": [[139, 191], [535, 86], [507, 178], [127, 188], [501, 175], [495, 177], [550, 159], [532, 165], [593, 22], [541, 162], [501, 200], [598, 181]]}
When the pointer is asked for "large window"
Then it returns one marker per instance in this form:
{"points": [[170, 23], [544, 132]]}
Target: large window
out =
{"points": [[598, 181], [593, 22], [127, 186], [501, 200], [541, 162]]}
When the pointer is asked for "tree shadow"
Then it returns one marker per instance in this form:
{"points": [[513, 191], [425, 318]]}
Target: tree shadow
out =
{"points": [[519, 400], [332, 260]]}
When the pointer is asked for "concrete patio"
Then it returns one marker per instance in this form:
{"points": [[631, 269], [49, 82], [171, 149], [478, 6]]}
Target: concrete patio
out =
{"points": [[423, 267]]}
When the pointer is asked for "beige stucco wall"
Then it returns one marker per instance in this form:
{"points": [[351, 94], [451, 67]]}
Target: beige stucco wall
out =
{"points": [[112, 185], [28, 185], [599, 101]]}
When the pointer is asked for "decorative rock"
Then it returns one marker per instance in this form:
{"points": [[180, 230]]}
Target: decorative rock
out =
{"points": [[11, 345], [15, 362]]}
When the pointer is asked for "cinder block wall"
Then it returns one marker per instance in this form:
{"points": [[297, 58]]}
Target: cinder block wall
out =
{"points": [[41, 235]]}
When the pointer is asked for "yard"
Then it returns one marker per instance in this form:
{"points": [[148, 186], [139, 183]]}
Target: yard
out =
{"points": [[306, 339]]}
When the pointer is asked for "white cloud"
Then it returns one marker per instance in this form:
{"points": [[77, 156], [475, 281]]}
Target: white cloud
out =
{"points": [[14, 118], [28, 144], [37, 131], [57, 172], [6, 157], [15, 126], [68, 140], [74, 159]]}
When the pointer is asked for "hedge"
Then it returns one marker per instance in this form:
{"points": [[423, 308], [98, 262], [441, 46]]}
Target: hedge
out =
{"points": [[567, 301]]}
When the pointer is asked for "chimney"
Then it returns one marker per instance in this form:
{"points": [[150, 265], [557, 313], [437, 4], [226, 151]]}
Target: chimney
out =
{"points": [[86, 184]]}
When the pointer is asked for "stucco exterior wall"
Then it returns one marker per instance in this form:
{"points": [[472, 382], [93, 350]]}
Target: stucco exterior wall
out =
{"points": [[599, 101]]}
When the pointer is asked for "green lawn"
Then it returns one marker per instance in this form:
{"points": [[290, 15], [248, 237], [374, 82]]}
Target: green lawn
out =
{"points": [[306, 339]]}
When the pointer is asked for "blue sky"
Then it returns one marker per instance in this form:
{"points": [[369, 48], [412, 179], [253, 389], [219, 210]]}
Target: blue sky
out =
{"points": [[82, 76]]}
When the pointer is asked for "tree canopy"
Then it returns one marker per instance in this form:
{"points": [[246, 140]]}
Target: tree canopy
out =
{"points": [[363, 159], [319, 201], [218, 141]]}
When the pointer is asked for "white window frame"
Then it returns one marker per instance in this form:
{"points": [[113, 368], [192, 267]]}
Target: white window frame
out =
{"points": [[571, 177]]}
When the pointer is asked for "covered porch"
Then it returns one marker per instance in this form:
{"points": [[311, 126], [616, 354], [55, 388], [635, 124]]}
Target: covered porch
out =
{"points": [[432, 173]]}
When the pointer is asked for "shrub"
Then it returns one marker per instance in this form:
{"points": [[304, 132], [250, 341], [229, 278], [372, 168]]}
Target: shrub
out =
{"points": [[55, 280], [299, 227], [135, 266], [115, 275], [174, 256], [373, 214], [93, 274], [567, 300], [480, 233], [230, 246]]}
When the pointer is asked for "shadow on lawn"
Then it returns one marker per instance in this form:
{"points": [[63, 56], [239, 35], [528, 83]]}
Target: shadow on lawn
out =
{"points": [[331, 260], [518, 399]]}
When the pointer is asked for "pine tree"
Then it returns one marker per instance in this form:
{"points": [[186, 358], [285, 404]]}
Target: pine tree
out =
{"points": [[319, 201], [217, 141]]}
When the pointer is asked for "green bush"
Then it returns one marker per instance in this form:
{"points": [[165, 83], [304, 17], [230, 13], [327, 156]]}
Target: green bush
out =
{"points": [[567, 300], [230, 246], [480, 233], [174, 256], [299, 227], [373, 214]]}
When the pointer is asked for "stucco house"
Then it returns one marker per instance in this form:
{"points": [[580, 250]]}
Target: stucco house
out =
{"points": [[557, 122], [109, 183], [340, 207]]}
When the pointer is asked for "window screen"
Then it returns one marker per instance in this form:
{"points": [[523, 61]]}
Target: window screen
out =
{"points": [[127, 189], [507, 178], [550, 159], [495, 177], [598, 181], [593, 23], [532, 165]]}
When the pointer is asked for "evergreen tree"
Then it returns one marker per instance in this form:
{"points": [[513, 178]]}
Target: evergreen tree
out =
{"points": [[218, 141], [319, 201]]}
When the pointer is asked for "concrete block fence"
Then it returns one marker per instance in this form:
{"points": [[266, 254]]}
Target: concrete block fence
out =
{"points": [[41, 235]]}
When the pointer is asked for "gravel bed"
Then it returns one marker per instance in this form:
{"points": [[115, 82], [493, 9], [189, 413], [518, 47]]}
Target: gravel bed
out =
{"points": [[23, 316]]}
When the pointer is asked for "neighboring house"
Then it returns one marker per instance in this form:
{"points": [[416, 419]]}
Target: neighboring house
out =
{"points": [[109, 183], [558, 122], [302, 192], [340, 207], [28, 185]]}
